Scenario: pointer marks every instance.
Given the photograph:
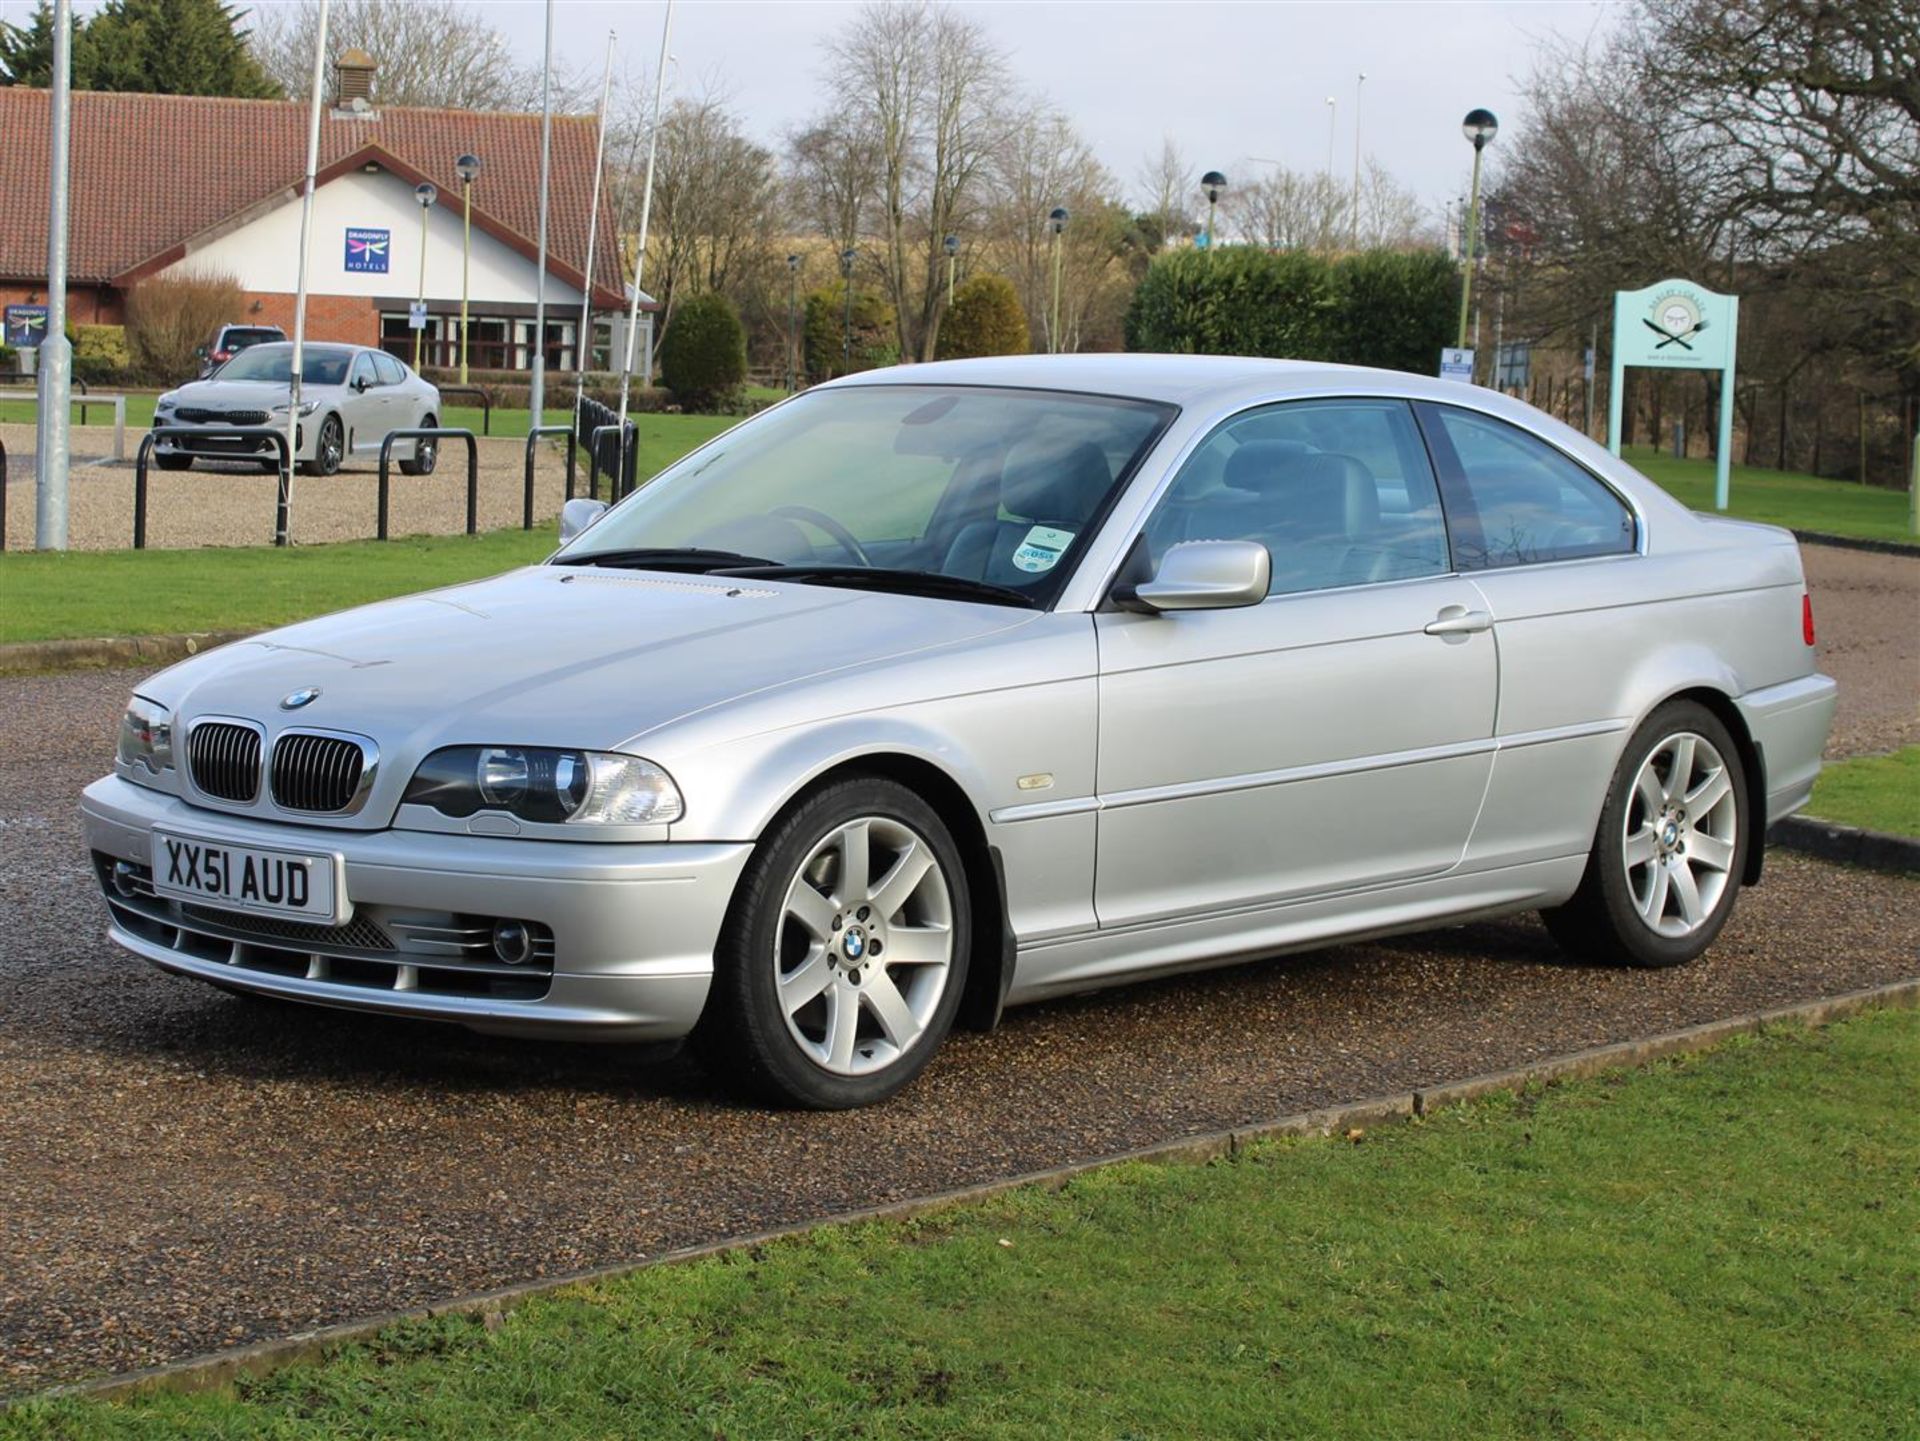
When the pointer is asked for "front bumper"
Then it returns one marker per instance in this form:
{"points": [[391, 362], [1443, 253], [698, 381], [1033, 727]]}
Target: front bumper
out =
{"points": [[178, 437], [632, 927]]}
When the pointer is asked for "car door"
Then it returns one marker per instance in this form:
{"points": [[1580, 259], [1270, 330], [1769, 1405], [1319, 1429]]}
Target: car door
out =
{"points": [[1337, 735], [366, 405], [1556, 553]]}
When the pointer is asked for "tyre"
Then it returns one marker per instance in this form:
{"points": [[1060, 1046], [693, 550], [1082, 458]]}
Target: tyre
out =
{"points": [[329, 449], [1671, 847], [174, 462], [844, 955], [426, 453]]}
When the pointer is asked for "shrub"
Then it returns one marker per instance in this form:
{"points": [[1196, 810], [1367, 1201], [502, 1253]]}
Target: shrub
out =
{"points": [[703, 355], [1395, 309], [1376, 308], [986, 319], [875, 342], [100, 353], [169, 317]]}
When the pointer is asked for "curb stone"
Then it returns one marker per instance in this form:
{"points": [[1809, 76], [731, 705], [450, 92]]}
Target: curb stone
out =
{"points": [[111, 652], [1831, 841], [1854, 542], [221, 1368]]}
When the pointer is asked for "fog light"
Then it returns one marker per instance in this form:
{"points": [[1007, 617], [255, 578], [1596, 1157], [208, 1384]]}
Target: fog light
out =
{"points": [[123, 876], [512, 942]]}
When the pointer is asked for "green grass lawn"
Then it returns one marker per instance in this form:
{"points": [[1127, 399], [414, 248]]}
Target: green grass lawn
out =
{"points": [[1877, 793], [1799, 502], [1721, 1245]]}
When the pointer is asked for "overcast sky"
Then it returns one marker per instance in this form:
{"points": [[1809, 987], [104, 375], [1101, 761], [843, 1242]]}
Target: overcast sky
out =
{"points": [[1229, 81]]}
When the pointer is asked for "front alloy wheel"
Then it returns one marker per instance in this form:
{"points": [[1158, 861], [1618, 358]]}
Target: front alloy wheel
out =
{"points": [[1666, 864], [329, 448], [843, 959]]}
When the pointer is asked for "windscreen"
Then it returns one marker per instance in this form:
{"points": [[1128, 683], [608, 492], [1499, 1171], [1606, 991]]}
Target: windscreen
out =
{"points": [[999, 487], [325, 364]]}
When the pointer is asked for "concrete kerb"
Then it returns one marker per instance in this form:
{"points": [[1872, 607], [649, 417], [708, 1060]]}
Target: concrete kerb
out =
{"points": [[111, 652], [1849, 845], [1853, 542], [225, 1367]]}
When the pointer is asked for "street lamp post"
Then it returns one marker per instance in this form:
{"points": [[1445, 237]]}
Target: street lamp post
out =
{"points": [[1215, 185], [1359, 86], [846, 334], [1333, 116], [952, 246], [1479, 127], [426, 193], [1057, 222], [793, 311], [467, 167]]}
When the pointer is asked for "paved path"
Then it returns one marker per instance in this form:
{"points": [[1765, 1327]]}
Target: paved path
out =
{"points": [[234, 505], [182, 1170]]}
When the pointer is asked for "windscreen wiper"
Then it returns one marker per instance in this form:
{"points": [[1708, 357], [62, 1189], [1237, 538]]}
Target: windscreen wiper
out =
{"points": [[664, 557], [906, 582]]}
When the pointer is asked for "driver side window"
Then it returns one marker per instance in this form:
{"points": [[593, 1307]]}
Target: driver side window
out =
{"points": [[1339, 491], [362, 373]]}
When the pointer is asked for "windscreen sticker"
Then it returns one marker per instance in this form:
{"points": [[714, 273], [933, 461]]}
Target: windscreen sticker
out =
{"points": [[1042, 548]]}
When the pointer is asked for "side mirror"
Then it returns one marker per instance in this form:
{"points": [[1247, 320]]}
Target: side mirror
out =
{"points": [[579, 514], [360, 384], [1205, 575]]}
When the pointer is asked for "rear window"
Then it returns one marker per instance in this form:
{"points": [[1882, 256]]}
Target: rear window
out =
{"points": [[241, 337]]}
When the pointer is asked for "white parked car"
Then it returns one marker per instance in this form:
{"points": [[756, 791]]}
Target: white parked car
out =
{"points": [[351, 396]]}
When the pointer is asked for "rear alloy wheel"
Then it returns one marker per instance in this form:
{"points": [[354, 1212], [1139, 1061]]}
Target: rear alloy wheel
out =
{"points": [[425, 452], [1667, 862], [844, 958], [329, 448]]}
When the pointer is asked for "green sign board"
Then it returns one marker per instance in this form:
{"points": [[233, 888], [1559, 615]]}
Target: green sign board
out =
{"points": [[1677, 325]]}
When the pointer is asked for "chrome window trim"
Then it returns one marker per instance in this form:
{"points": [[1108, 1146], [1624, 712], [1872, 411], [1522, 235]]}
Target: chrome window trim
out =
{"points": [[1100, 565], [369, 769]]}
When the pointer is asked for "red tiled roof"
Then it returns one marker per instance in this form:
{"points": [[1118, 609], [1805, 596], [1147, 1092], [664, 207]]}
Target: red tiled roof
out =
{"points": [[151, 172]]}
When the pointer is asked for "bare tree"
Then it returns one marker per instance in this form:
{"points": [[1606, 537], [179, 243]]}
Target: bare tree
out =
{"points": [[831, 166], [1286, 209], [1167, 185], [929, 91], [431, 53]]}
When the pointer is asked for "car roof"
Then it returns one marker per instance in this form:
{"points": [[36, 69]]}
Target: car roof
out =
{"points": [[1174, 378]]}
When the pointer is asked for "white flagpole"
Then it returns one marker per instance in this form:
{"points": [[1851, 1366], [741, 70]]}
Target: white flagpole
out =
{"points": [[56, 355], [538, 395], [285, 508], [583, 338], [646, 210]]}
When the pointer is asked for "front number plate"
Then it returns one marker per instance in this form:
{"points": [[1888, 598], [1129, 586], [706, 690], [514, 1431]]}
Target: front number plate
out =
{"points": [[246, 878]]}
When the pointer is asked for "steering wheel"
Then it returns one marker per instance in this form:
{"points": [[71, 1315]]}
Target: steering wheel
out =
{"points": [[842, 537]]}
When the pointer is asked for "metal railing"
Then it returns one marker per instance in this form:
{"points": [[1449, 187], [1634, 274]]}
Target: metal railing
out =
{"points": [[473, 470], [233, 432], [596, 422], [486, 402], [534, 437]]}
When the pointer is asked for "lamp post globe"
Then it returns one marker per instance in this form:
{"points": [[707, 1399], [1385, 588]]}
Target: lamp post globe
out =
{"points": [[467, 167], [1213, 185], [1057, 222], [426, 192], [1480, 126], [952, 246]]}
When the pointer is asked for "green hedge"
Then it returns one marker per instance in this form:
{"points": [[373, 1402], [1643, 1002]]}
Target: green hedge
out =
{"points": [[874, 342], [986, 319], [703, 355], [1384, 308]]}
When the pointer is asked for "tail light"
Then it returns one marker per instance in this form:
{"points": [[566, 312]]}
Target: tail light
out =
{"points": [[223, 355], [1806, 617]]}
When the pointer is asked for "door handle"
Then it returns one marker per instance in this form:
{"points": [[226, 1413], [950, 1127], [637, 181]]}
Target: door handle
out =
{"points": [[1458, 620]]}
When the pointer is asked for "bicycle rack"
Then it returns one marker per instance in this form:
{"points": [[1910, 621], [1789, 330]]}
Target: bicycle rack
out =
{"points": [[486, 402], [534, 436], [473, 470], [234, 432]]}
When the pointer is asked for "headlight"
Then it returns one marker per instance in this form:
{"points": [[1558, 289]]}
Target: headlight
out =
{"points": [[537, 784], [146, 736], [307, 407], [165, 402]]}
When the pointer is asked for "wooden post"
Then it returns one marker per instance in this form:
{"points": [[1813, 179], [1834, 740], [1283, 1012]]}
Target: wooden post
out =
{"points": [[1863, 437]]}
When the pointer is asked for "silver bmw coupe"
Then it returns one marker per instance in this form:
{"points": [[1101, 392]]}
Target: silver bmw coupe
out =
{"points": [[946, 688]]}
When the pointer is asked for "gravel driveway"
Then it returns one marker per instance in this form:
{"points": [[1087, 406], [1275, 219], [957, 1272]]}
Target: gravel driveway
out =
{"points": [[182, 1170], [233, 505]]}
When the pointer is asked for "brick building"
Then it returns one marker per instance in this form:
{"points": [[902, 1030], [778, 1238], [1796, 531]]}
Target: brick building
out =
{"points": [[171, 184]]}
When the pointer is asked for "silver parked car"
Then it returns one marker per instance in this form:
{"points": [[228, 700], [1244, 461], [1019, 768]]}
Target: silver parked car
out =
{"points": [[956, 686], [350, 397]]}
